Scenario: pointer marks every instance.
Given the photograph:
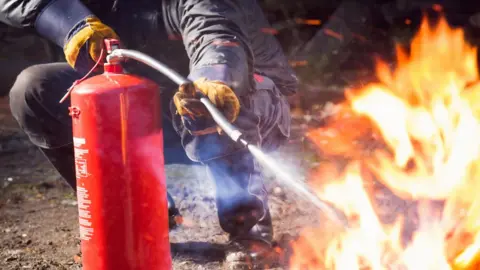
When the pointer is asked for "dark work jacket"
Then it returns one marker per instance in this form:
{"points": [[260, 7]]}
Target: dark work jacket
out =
{"points": [[220, 39]]}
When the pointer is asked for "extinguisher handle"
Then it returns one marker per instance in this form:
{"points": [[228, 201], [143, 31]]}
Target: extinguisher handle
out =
{"points": [[232, 131], [111, 45], [149, 61]]}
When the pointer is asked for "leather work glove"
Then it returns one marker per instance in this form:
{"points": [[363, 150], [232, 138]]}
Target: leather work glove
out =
{"points": [[195, 115], [84, 46]]}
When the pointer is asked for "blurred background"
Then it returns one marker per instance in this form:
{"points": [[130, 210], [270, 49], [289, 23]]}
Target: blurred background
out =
{"points": [[330, 43]]}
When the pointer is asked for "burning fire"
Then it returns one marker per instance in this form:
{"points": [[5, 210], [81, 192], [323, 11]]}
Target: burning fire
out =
{"points": [[415, 133]]}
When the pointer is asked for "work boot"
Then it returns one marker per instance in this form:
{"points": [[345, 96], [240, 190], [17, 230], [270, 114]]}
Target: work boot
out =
{"points": [[243, 254], [174, 217], [252, 250]]}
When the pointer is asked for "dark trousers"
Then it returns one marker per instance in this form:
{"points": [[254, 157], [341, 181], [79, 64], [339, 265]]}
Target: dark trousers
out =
{"points": [[240, 194]]}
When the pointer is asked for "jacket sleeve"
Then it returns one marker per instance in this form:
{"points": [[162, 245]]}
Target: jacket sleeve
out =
{"points": [[214, 35], [21, 13], [51, 19]]}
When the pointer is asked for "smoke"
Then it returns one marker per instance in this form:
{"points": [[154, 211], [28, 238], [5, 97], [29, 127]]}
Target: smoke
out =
{"points": [[289, 163], [290, 178]]}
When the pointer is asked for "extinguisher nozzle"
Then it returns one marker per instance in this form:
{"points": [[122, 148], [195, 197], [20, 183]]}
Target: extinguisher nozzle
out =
{"points": [[243, 142]]}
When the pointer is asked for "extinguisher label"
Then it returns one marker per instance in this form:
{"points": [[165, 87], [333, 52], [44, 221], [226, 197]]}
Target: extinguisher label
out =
{"points": [[81, 167], [78, 141], [83, 196], [84, 213]]}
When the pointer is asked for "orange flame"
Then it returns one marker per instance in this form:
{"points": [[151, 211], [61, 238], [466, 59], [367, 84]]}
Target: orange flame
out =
{"points": [[417, 133]]}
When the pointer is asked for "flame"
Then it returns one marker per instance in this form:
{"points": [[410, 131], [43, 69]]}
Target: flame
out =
{"points": [[416, 133]]}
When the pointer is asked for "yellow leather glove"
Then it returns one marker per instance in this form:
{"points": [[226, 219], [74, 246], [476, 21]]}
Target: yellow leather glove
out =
{"points": [[221, 95], [92, 36]]}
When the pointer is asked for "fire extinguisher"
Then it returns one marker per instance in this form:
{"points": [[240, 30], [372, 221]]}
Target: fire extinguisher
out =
{"points": [[121, 188]]}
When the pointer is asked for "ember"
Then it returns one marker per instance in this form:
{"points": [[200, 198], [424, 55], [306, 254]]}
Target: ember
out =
{"points": [[416, 132]]}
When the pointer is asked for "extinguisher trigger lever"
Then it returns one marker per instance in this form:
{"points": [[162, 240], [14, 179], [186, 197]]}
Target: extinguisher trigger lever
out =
{"points": [[111, 45]]}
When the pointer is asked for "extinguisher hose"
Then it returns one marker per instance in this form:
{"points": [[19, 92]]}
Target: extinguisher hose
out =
{"points": [[234, 133], [149, 61]]}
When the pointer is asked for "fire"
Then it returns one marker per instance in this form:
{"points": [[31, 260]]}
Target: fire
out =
{"points": [[416, 133]]}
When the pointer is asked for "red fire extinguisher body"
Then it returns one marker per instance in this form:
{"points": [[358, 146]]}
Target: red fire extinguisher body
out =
{"points": [[121, 188]]}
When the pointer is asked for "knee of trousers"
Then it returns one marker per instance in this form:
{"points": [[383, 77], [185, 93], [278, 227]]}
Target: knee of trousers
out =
{"points": [[206, 148], [43, 119]]}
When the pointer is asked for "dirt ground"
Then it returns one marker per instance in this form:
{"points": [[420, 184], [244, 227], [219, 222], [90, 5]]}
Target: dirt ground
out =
{"points": [[38, 212]]}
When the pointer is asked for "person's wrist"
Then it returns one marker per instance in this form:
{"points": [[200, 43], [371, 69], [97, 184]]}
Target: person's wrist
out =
{"points": [[60, 19]]}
